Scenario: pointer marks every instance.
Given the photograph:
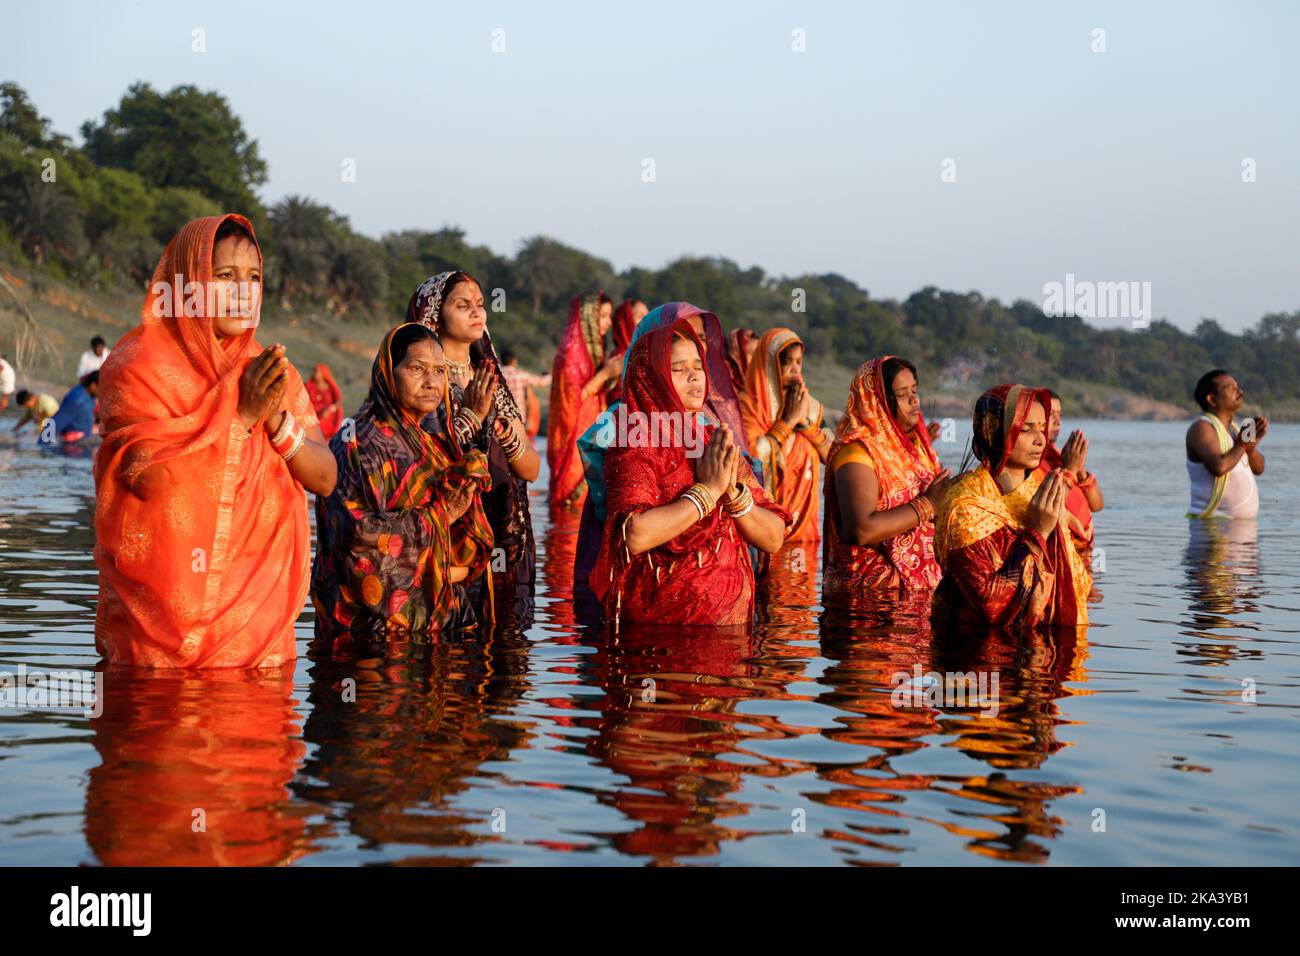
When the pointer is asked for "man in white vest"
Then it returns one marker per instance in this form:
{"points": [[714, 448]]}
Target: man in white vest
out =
{"points": [[1222, 455]]}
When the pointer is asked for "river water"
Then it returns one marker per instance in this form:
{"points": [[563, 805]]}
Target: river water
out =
{"points": [[1165, 735]]}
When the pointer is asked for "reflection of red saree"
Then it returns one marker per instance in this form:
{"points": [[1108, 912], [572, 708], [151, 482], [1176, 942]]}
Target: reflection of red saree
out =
{"points": [[791, 468], [997, 570], [324, 396], [702, 576], [579, 355], [904, 464]]}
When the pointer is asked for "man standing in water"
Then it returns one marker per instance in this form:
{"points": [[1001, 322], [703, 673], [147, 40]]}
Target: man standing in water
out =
{"points": [[1222, 456]]}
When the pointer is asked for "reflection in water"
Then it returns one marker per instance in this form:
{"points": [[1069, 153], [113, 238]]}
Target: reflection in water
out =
{"points": [[195, 770], [668, 723], [877, 646], [403, 753], [401, 729], [1221, 564]]}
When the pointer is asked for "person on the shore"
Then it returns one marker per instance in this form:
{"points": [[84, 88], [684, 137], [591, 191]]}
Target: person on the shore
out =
{"points": [[1085, 497], [1000, 535], [583, 370], [523, 386], [676, 544], [1223, 456], [883, 484], [404, 529], [93, 359], [75, 418], [484, 414], [210, 444], [326, 399], [783, 428], [6, 382], [36, 406]]}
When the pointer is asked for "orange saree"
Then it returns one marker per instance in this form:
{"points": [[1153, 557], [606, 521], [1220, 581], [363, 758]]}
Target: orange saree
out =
{"points": [[791, 468], [201, 532]]}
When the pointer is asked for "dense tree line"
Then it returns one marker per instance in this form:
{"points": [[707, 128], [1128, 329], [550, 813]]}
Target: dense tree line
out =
{"points": [[159, 159]]}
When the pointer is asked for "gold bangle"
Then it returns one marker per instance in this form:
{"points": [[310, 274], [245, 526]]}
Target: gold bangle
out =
{"points": [[708, 501], [742, 505]]}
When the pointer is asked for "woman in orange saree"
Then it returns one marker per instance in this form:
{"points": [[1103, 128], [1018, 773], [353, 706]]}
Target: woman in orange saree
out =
{"points": [[1000, 534], [677, 536], [201, 534], [883, 483], [783, 427], [326, 399], [579, 379]]}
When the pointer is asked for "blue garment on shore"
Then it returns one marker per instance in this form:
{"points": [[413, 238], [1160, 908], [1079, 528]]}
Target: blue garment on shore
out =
{"points": [[76, 414]]}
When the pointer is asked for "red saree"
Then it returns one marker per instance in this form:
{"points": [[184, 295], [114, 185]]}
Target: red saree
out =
{"points": [[580, 354], [326, 400], [904, 464], [997, 570], [1076, 502], [704, 575], [201, 534], [791, 468]]}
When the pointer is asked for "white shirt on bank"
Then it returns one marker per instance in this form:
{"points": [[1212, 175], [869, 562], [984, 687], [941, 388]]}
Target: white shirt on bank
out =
{"points": [[90, 362]]}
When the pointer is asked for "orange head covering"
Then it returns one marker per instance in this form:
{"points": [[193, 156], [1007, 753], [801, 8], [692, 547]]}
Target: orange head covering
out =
{"points": [[904, 466], [792, 475], [201, 532]]}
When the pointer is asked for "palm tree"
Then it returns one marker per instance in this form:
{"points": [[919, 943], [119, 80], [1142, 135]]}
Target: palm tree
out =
{"points": [[43, 218], [541, 268], [302, 245]]}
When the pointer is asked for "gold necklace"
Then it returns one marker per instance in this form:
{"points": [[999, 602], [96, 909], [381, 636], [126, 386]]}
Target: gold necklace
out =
{"points": [[463, 370]]}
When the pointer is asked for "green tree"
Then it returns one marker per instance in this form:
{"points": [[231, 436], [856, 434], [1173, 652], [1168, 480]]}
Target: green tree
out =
{"points": [[185, 137], [43, 218]]}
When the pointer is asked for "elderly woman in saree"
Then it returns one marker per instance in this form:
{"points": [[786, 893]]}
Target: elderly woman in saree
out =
{"points": [[681, 513], [883, 484], [783, 425], [210, 443], [1001, 536], [582, 373], [484, 415], [721, 405], [405, 528]]}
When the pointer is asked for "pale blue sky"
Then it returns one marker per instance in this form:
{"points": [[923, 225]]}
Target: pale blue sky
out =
{"points": [[1122, 165]]}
